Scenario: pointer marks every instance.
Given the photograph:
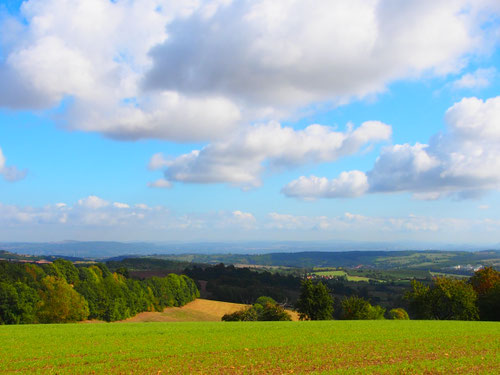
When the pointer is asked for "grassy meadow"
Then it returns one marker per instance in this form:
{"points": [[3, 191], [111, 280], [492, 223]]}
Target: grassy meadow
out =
{"points": [[338, 347]]}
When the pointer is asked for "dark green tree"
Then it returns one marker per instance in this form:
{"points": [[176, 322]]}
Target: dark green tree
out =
{"points": [[315, 301], [445, 299], [357, 308]]}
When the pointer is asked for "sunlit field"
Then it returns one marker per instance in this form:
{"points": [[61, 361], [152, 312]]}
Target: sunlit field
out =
{"points": [[358, 347]]}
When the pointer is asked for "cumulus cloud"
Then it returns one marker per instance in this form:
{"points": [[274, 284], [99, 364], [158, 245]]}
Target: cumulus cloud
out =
{"points": [[463, 161], [95, 53], [10, 173], [241, 159], [478, 79], [348, 184], [195, 70]]}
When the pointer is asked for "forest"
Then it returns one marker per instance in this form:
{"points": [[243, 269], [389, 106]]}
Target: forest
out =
{"points": [[61, 292]]}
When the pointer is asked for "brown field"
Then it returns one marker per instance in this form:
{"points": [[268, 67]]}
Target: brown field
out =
{"points": [[200, 310]]}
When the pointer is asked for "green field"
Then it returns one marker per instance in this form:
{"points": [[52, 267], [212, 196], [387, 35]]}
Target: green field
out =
{"points": [[358, 347], [337, 273]]}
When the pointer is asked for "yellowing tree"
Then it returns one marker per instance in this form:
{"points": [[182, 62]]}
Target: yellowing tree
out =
{"points": [[60, 303]]}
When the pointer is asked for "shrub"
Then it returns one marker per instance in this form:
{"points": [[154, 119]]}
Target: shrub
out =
{"points": [[398, 314], [264, 309], [357, 308]]}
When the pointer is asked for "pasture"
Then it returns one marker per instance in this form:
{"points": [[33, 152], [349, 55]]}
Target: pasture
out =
{"points": [[338, 347]]}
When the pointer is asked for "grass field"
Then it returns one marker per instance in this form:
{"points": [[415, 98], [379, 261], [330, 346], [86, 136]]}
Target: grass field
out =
{"points": [[343, 347], [342, 273]]}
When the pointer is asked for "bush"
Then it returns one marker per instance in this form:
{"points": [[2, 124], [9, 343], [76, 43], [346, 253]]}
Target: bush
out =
{"points": [[398, 314], [357, 308], [264, 309]]}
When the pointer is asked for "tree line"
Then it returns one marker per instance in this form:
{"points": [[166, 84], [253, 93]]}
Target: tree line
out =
{"points": [[477, 298], [60, 292]]}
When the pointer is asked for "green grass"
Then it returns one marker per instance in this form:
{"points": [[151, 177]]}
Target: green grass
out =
{"points": [[330, 273], [339, 347], [343, 273]]}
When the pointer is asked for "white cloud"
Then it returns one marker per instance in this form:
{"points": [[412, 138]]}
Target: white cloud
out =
{"points": [[244, 219], [348, 184], [125, 222], [10, 173], [463, 161], [120, 205], [93, 202], [95, 218], [241, 159], [158, 161], [189, 70], [355, 223], [478, 79], [160, 183], [96, 53]]}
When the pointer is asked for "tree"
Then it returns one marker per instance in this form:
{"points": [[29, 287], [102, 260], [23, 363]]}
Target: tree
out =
{"points": [[17, 303], [486, 283], [315, 302], [484, 280], [445, 299], [60, 303]]}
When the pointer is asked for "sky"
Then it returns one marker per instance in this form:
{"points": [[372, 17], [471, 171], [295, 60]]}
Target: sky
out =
{"points": [[191, 120]]}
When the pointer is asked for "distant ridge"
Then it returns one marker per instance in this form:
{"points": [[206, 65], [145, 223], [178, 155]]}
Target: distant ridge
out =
{"points": [[107, 249]]}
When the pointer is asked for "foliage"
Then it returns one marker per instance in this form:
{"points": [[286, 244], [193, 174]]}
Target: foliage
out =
{"points": [[357, 308], [315, 302], [264, 309], [484, 280], [398, 314], [60, 292], [60, 303], [242, 285], [486, 283], [445, 299]]}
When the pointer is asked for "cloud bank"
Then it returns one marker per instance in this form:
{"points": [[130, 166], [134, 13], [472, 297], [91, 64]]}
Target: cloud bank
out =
{"points": [[197, 70], [463, 161], [241, 159], [99, 219]]}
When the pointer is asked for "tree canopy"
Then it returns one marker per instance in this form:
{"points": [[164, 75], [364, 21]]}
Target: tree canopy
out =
{"points": [[315, 302]]}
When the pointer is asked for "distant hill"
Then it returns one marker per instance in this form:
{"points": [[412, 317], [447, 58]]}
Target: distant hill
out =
{"points": [[108, 249], [429, 260]]}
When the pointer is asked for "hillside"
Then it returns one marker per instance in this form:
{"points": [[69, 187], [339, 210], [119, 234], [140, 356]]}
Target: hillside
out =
{"points": [[199, 310], [431, 260]]}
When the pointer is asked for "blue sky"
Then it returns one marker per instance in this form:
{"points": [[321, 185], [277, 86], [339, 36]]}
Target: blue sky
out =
{"points": [[176, 120]]}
